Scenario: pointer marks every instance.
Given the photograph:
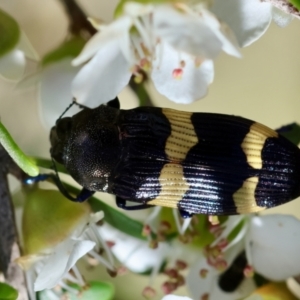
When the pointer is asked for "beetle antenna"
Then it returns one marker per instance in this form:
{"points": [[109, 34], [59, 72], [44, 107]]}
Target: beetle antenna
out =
{"points": [[64, 112], [74, 102]]}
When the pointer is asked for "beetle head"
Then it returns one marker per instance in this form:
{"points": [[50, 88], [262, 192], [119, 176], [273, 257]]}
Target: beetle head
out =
{"points": [[88, 145], [58, 138]]}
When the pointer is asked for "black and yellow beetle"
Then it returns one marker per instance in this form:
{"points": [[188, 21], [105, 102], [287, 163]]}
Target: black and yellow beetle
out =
{"points": [[200, 163]]}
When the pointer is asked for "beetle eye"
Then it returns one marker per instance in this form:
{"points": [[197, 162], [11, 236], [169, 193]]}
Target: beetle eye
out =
{"points": [[63, 126]]}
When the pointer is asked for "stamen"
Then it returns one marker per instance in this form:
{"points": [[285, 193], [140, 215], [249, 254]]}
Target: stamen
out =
{"points": [[186, 223], [102, 260], [180, 264], [228, 226], [177, 73], [249, 271], [164, 227], [103, 243], [70, 277], [78, 276], [152, 217], [138, 77], [172, 273], [143, 32], [145, 64], [214, 220], [177, 220], [146, 230], [149, 292], [68, 288], [137, 47], [205, 296], [203, 273], [168, 287]]}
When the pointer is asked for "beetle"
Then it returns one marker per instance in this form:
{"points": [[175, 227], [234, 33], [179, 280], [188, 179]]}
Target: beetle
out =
{"points": [[200, 163]]}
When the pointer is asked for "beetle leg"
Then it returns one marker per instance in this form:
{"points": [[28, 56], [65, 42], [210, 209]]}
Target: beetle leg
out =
{"points": [[185, 214], [122, 204], [84, 195], [35, 179], [115, 103]]}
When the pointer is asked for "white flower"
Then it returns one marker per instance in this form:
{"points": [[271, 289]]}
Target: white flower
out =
{"points": [[133, 253], [56, 233], [174, 43], [174, 297], [272, 248], [60, 259], [59, 262], [203, 278], [55, 90], [12, 64], [249, 19]]}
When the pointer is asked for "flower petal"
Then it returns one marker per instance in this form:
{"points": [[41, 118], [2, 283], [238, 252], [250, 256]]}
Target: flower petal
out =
{"points": [[27, 48], [249, 19], [194, 81], [112, 32], [135, 9], [55, 91], [60, 262], [185, 32], [102, 78], [174, 297], [12, 65], [281, 18], [274, 246], [135, 254]]}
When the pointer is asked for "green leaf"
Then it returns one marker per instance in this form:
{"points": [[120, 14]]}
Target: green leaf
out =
{"points": [[120, 7], [7, 292], [204, 237], [71, 49], [23, 161], [233, 234], [141, 92], [295, 3], [118, 220], [48, 218], [291, 132], [9, 33], [96, 290], [48, 164], [112, 216]]}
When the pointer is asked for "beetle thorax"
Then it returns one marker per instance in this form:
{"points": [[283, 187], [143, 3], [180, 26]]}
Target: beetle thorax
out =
{"points": [[92, 154]]}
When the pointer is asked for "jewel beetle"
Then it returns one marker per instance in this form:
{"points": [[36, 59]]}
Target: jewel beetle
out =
{"points": [[200, 163]]}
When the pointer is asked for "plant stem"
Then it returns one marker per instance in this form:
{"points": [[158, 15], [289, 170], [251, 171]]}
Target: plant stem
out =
{"points": [[78, 20], [9, 243]]}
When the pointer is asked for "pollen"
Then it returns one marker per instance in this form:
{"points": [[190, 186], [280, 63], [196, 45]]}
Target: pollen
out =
{"points": [[177, 73], [203, 273], [145, 64], [249, 271], [138, 77], [149, 292]]}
